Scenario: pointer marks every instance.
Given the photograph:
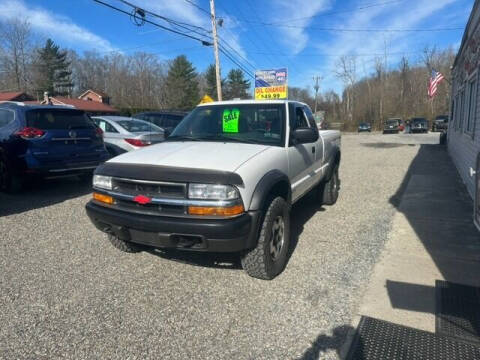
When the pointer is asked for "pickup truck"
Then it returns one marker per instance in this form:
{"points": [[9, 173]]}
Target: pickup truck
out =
{"points": [[223, 181]]}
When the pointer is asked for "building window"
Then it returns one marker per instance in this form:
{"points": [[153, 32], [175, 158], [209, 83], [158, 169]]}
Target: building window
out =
{"points": [[472, 106], [461, 109]]}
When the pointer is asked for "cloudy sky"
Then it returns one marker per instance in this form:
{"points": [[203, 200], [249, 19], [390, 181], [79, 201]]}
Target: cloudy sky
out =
{"points": [[307, 37]]}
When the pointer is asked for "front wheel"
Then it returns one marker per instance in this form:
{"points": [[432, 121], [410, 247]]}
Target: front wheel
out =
{"points": [[269, 257], [122, 245]]}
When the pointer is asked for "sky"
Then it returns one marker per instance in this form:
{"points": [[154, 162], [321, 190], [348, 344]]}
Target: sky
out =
{"points": [[307, 37]]}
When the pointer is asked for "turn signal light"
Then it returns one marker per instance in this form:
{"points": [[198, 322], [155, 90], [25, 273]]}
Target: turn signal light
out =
{"points": [[215, 211], [103, 198]]}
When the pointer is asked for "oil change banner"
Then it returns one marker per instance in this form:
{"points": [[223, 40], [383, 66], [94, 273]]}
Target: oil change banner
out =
{"points": [[271, 84]]}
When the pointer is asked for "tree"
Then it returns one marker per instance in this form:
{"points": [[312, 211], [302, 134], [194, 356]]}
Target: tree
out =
{"points": [[54, 74], [236, 85], [182, 85], [15, 49], [211, 81]]}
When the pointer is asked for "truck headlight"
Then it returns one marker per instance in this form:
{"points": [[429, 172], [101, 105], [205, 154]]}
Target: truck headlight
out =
{"points": [[212, 192], [102, 182]]}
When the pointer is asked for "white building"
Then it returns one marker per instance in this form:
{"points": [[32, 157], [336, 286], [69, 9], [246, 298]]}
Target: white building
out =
{"points": [[464, 127]]}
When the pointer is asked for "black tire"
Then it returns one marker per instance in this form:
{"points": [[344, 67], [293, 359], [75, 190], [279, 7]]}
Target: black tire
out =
{"points": [[123, 245], [8, 182], [328, 192], [269, 257]]}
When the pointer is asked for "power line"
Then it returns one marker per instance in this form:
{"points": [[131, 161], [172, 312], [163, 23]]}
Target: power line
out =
{"points": [[198, 7], [362, 30], [204, 42], [367, 6], [237, 53]]}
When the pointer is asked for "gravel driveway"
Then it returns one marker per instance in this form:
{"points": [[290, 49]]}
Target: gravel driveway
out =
{"points": [[66, 292]]}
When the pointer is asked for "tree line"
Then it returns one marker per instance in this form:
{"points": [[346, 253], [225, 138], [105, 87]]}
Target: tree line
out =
{"points": [[135, 81], [143, 81]]}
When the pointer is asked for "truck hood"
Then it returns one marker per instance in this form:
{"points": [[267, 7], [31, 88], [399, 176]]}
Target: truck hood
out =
{"points": [[189, 154]]}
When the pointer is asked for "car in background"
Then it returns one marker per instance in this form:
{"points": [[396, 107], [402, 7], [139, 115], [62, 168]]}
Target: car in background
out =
{"points": [[364, 127], [122, 134], [440, 123], [167, 120], [418, 125], [392, 125], [46, 141]]}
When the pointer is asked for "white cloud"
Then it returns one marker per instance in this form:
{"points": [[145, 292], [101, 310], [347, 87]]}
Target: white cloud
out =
{"points": [[54, 25], [394, 16], [177, 9], [296, 38]]}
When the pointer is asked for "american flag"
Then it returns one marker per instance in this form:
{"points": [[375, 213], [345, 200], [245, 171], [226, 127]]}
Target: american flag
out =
{"points": [[434, 81]]}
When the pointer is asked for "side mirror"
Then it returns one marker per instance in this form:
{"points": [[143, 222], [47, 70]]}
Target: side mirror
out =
{"points": [[305, 135]]}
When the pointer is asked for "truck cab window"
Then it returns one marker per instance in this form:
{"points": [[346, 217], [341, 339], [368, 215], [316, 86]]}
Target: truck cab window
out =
{"points": [[300, 119]]}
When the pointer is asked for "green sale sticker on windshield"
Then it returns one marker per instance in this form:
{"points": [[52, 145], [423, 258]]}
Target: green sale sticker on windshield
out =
{"points": [[230, 120]]}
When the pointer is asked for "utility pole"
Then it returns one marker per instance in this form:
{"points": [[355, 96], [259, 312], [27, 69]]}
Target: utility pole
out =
{"points": [[316, 87], [215, 48]]}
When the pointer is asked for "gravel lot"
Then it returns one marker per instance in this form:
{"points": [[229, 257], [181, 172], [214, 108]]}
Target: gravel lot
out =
{"points": [[66, 292]]}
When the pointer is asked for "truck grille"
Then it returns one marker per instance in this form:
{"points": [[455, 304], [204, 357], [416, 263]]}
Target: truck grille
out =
{"points": [[150, 189]]}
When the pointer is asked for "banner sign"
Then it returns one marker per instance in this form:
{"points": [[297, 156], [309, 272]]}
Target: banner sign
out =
{"points": [[271, 84]]}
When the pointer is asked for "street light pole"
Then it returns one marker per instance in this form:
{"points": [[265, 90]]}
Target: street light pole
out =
{"points": [[316, 87], [215, 48]]}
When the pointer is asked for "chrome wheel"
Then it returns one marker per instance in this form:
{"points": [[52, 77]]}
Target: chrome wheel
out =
{"points": [[278, 237]]}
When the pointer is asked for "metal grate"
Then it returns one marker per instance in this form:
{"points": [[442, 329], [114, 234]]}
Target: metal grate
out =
{"points": [[151, 189], [458, 311], [378, 339]]}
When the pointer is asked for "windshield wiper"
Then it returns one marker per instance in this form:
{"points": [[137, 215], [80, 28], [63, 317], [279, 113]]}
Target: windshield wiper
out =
{"points": [[228, 138], [183, 138]]}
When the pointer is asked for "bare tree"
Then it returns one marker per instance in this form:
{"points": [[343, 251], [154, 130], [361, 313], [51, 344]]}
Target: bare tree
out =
{"points": [[15, 54]]}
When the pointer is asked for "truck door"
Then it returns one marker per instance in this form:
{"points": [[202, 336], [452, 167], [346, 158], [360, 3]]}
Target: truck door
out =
{"points": [[319, 147], [301, 157]]}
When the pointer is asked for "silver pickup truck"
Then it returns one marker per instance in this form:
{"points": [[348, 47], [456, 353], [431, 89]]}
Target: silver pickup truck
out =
{"points": [[224, 181]]}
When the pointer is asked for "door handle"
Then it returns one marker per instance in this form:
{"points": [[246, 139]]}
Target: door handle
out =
{"points": [[313, 149]]}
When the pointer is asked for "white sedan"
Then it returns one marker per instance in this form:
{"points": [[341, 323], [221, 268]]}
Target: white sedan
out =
{"points": [[122, 134]]}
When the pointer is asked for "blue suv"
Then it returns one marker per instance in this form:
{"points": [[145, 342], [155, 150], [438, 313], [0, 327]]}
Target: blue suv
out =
{"points": [[46, 141]]}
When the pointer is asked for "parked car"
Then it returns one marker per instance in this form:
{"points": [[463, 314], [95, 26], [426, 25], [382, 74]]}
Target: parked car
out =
{"points": [[392, 126], [440, 123], [167, 120], [123, 134], [418, 125], [46, 141], [224, 181], [364, 127]]}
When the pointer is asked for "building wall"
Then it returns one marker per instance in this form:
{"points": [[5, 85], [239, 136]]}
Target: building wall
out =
{"points": [[464, 126]]}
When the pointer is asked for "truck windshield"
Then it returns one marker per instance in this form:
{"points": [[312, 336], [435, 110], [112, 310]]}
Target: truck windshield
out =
{"points": [[393, 122], [249, 123]]}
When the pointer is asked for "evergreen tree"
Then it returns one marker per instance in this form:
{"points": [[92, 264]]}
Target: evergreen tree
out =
{"points": [[237, 86], [54, 70], [211, 79], [182, 85]]}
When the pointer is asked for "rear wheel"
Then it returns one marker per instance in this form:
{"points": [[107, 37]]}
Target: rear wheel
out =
{"points": [[8, 181], [269, 257], [328, 192]]}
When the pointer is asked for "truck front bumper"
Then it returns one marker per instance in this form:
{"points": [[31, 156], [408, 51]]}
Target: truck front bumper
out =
{"points": [[211, 235]]}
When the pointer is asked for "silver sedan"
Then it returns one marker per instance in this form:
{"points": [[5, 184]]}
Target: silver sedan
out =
{"points": [[122, 134]]}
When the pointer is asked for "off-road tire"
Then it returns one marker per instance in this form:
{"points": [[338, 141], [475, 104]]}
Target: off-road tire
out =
{"points": [[123, 245], [258, 262], [329, 190]]}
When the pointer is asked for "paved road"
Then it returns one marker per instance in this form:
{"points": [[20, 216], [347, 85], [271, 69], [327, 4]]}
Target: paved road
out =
{"points": [[65, 292]]}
